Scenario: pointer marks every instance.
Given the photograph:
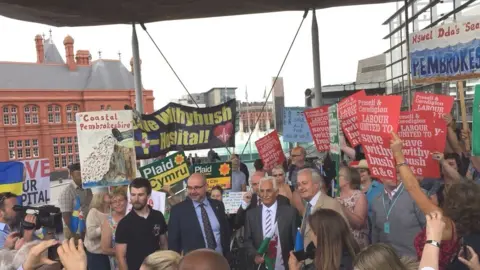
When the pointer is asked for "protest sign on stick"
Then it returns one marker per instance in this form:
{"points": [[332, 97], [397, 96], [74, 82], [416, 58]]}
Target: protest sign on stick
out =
{"points": [[317, 119], [347, 114], [439, 105], [270, 150], [377, 119], [416, 131]]}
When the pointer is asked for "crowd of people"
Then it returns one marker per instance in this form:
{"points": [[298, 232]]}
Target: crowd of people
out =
{"points": [[404, 223]]}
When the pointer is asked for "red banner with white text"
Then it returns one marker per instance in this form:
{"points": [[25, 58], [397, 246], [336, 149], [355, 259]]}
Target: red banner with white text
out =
{"points": [[439, 105], [317, 120], [377, 118], [416, 129], [347, 114]]}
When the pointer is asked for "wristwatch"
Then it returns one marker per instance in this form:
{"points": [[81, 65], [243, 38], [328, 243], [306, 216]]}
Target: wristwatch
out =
{"points": [[433, 243]]}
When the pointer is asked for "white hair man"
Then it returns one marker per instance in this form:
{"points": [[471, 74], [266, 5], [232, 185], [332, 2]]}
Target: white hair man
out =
{"points": [[279, 222], [310, 186]]}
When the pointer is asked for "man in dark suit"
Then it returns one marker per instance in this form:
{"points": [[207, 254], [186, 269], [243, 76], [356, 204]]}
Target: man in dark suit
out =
{"points": [[251, 200], [278, 222], [198, 222]]}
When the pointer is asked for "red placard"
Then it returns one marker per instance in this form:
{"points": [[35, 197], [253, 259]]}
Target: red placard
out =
{"points": [[416, 129], [377, 118], [439, 105], [270, 150], [317, 120], [347, 114]]}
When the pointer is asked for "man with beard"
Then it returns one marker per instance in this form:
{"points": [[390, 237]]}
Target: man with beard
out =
{"points": [[198, 222], [142, 231], [9, 219]]}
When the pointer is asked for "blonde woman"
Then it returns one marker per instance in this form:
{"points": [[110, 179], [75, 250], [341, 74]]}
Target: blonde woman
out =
{"points": [[109, 226], [283, 188], [382, 256], [99, 207], [162, 260]]}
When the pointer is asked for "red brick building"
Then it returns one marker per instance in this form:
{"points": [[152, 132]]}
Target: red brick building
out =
{"points": [[39, 100]]}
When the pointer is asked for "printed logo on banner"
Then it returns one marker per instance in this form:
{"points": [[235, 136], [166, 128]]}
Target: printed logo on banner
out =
{"points": [[347, 114], [417, 133], [317, 119], [168, 171], [439, 105], [377, 118], [36, 187], [219, 173], [270, 150]]}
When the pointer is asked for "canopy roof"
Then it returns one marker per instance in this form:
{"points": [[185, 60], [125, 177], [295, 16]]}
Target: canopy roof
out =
{"points": [[101, 12]]}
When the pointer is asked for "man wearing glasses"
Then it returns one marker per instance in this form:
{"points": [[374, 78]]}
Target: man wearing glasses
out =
{"points": [[198, 222]]}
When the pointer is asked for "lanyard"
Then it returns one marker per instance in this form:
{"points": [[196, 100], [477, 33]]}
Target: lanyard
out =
{"points": [[387, 213]]}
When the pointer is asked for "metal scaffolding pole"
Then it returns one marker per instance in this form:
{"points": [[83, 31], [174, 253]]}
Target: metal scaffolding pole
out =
{"points": [[137, 76], [407, 43], [316, 61]]}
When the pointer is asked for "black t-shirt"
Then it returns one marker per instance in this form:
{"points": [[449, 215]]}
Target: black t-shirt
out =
{"points": [[142, 235]]}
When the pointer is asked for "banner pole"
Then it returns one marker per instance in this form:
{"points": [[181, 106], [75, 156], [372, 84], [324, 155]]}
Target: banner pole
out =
{"points": [[317, 76]]}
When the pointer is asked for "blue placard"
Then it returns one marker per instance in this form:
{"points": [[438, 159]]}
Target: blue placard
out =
{"points": [[295, 127]]}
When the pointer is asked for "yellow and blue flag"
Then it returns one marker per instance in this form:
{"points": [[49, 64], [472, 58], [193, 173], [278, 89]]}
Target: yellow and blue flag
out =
{"points": [[11, 177], [77, 221]]}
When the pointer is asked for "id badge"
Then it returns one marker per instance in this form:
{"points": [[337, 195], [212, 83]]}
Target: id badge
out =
{"points": [[386, 227]]}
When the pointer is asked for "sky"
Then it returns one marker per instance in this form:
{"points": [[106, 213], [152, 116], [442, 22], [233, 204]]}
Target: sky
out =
{"points": [[237, 51]]}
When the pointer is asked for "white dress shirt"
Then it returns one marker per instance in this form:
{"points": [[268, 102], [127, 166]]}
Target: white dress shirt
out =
{"points": [[279, 264]]}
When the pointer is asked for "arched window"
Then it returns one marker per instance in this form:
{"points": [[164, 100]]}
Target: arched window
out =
{"points": [[54, 114], [31, 114], [10, 116], [72, 109]]}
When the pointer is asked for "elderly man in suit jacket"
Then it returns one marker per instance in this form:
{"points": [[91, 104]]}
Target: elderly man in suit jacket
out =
{"points": [[310, 184], [269, 219], [198, 222], [252, 200]]}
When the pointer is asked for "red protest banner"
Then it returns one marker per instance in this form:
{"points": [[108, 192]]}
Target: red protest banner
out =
{"points": [[270, 150], [317, 120], [377, 118], [347, 114], [416, 129], [439, 105]]}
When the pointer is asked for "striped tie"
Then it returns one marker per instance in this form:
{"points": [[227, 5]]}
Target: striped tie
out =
{"points": [[268, 224]]}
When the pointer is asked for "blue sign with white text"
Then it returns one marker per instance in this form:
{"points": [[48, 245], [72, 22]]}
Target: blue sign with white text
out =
{"points": [[295, 127]]}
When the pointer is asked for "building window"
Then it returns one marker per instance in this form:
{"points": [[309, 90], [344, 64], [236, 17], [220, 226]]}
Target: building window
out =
{"points": [[11, 144], [102, 107], [69, 140], [71, 111], [10, 115], [70, 159], [76, 148], [109, 108], [64, 161], [55, 150], [27, 143], [36, 152], [70, 149], [54, 116], [57, 162], [55, 141], [19, 153], [11, 154], [19, 143], [76, 139], [62, 140], [77, 158], [31, 114], [27, 153], [62, 149], [35, 142]]}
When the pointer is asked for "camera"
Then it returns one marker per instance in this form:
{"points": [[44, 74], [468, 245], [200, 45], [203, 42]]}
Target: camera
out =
{"points": [[48, 216]]}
